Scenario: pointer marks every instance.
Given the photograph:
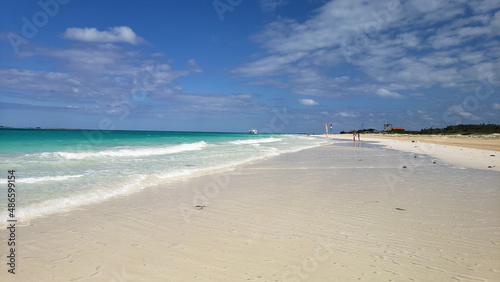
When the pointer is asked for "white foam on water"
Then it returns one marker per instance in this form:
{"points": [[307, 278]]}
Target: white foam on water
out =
{"points": [[131, 152], [256, 141], [31, 180], [62, 204], [76, 178]]}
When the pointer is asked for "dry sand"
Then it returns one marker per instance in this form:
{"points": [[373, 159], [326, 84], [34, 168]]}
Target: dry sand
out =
{"points": [[483, 142], [454, 149], [333, 213]]}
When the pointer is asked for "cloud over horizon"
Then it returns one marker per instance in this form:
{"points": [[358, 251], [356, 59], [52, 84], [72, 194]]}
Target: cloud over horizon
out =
{"points": [[105, 79], [384, 93]]}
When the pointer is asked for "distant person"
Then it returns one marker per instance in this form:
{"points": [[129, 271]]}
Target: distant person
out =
{"points": [[359, 137]]}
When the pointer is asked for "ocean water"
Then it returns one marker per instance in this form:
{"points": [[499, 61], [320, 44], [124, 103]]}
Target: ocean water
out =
{"points": [[59, 170]]}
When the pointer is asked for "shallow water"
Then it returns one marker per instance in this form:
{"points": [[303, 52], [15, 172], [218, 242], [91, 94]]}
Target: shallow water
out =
{"points": [[58, 170]]}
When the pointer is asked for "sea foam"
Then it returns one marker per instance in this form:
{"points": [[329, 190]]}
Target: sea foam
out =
{"points": [[256, 141], [58, 179], [134, 152], [31, 180]]}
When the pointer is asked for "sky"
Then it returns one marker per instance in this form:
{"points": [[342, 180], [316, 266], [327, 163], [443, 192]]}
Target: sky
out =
{"points": [[278, 66]]}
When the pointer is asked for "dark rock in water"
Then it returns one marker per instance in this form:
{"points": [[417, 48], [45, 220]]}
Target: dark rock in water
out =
{"points": [[490, 166], [404, 167], [492, 155], [434, 162], [400, 209]]}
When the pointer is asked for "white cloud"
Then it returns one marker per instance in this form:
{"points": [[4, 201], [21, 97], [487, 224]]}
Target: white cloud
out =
{"points": [[335, 22], [439, 60], [409, 39], [424, 115], [495, 23], [96, 77], [308, 102], [415, 44], [473, 57], [103, 79], [269, 6], [347, 114], [461, 111], [431, 11], [444, 40], [193, 66], [481, 6], [158, 54], [269, 65], [384, 93], [38, 81], [114, 34], [496, 106]]}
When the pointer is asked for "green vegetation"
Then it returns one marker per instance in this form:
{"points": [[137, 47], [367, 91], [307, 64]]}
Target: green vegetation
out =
{"points": [[370, 130], [463, 129]]}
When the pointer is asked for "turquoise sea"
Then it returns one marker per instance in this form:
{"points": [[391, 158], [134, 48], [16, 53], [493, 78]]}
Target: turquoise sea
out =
{"points": [[58, 170]]}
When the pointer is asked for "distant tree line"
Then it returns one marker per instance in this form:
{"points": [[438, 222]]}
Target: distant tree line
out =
{"points": [[370, 130], [463, 129]]}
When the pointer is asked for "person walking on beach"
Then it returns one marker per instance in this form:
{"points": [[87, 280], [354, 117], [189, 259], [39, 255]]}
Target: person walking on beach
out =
{"points": [[359, 137], [354, 137]]}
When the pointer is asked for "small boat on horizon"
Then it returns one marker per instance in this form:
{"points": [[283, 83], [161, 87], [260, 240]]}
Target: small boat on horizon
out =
{"points": [[253, 131]]}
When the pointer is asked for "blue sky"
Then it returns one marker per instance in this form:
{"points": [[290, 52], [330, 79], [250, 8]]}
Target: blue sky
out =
{"points": [[231, 65]]}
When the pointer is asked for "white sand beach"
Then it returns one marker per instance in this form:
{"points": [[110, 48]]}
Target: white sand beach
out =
{"points": [[454, 149], [333, 213]]}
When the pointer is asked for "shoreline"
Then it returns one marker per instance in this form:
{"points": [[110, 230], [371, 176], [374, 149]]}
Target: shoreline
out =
{"points": [[328, 213], [87, 175]]}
